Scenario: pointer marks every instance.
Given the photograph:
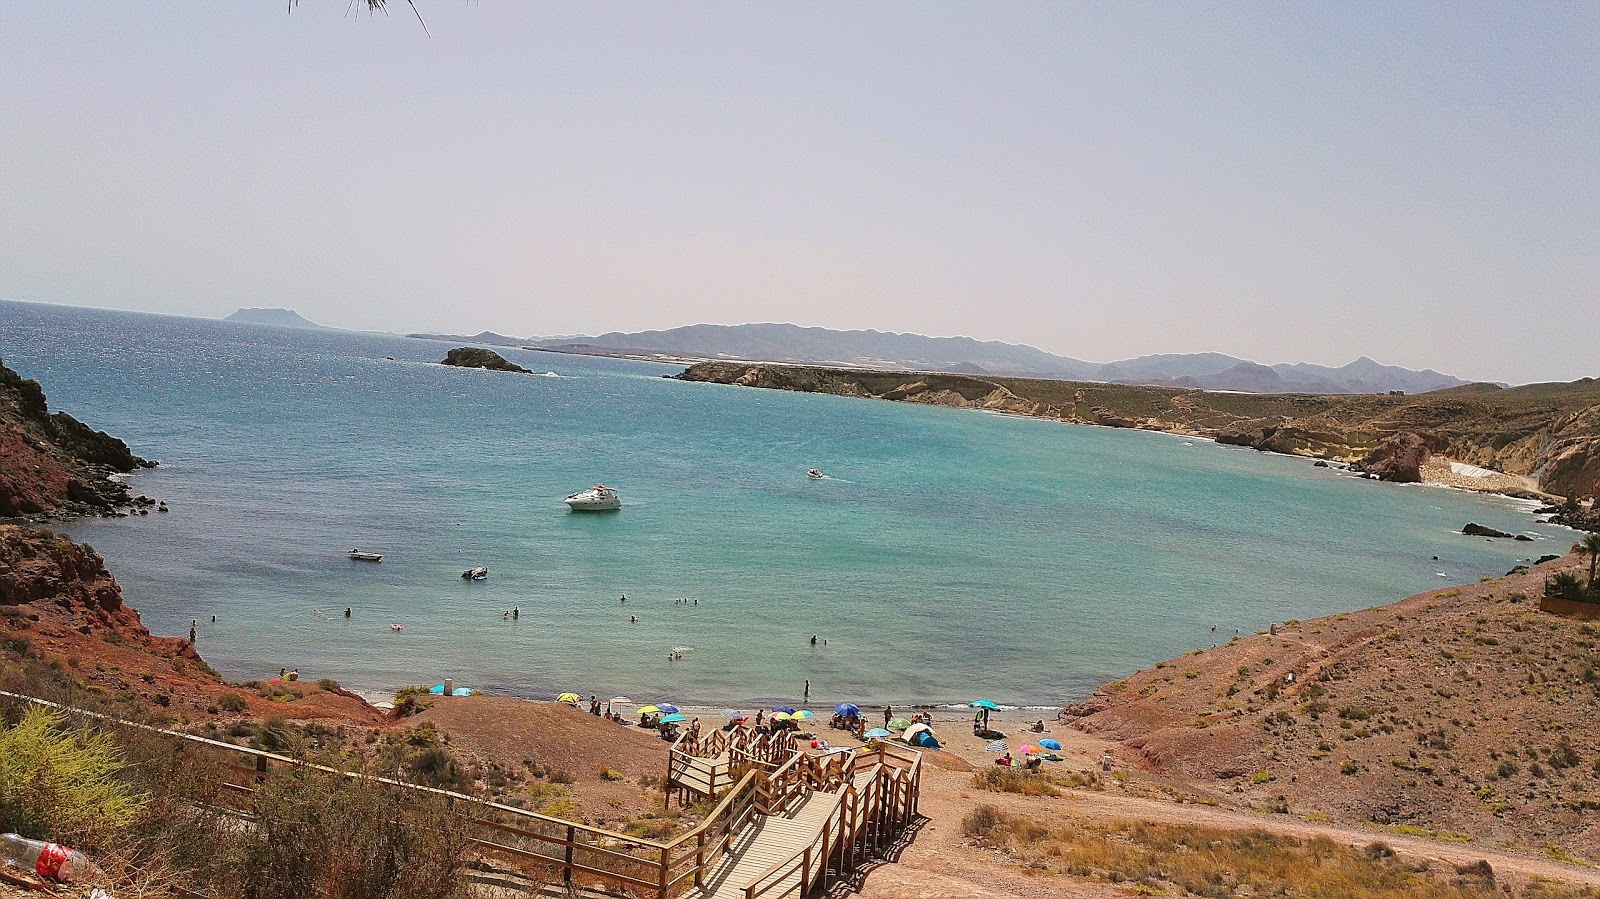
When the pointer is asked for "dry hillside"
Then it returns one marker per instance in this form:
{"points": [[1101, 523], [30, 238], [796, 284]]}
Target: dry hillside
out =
{"points": [[1461, 711]]}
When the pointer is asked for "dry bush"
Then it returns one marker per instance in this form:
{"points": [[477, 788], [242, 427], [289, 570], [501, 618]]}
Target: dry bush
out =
{"points": [[1014, 780], [1213, 862], [347, 838]]}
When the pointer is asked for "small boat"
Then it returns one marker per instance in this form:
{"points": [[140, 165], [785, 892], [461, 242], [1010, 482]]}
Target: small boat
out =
{"points": [[598, 498], [360, 556], [815, 473], [476, 574]]}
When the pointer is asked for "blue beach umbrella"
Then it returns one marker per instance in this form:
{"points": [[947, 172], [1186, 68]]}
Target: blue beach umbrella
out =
{"points": [[1051, 744], [878, 732], [788, 709], [989, 704], [846, 709], [672, 718], [668, 707]]}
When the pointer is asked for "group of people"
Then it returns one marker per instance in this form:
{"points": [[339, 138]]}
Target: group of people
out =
{"points": [[511, 614]]}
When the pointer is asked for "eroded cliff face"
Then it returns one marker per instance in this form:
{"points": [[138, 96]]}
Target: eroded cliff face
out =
{"points": [[1548, 432], [59, 603], [53, 464]]}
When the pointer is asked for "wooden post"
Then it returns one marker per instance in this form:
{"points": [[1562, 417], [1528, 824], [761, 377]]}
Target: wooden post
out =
{"points": [[566, 871], [700, 860], [261, 768], [666, 870]]}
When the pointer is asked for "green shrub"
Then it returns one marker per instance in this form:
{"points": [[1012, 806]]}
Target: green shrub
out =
{"points": [[232, 702], [59, 783]]}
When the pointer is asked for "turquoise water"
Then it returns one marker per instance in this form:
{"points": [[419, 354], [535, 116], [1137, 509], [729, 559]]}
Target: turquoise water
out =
{"points": [[952, 554]]}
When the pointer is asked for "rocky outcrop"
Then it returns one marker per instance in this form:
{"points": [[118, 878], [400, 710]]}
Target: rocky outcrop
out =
{"points": [[1473, 529], [1401, 457], [52, 465], [478, 357], [1568, 461]]}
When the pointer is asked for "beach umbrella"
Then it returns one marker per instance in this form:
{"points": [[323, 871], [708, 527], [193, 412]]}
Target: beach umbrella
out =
{"points": [[1051, 744], [781, 716], [803, 713], [669, 708], [648, 710], [732, 714], [787, 709], [1027, 749], [621, 700], [672, 718], [996, 746], [846, 709], [989, 704], [899, 723], [569, 697], [877, 732]]}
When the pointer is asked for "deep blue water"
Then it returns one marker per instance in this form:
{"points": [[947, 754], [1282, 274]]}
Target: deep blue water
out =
{"points": [[952, 554]]}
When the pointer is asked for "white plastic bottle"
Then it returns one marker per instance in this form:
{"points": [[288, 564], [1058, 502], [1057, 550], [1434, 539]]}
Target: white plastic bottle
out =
{"points": [[50, 860]]}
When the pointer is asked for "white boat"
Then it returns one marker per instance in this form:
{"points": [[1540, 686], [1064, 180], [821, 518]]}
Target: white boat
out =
{"points": [[815, 473], [598, 498], [476, 574], [360, 556]]}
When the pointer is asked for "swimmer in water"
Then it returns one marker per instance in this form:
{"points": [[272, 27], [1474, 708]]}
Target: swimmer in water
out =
{"points": [[633, 618], [397, 627]]}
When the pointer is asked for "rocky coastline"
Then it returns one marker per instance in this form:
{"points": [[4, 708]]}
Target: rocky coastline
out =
{"points": [[1540, 441], [54, 466]]}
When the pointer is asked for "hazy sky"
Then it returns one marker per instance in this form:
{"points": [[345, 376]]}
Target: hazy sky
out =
{"points": [[1281, 181]]}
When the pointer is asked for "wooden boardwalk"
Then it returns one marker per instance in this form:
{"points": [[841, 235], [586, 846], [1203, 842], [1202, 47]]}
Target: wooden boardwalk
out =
{"points": [[705, 776], [767, 840]]}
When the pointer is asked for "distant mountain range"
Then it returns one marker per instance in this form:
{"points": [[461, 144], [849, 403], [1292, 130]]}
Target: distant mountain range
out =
{"points": [[963, 355], [283, 318]]}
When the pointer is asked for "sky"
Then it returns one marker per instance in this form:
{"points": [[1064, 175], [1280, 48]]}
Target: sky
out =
{"points": [[1285, 182]]}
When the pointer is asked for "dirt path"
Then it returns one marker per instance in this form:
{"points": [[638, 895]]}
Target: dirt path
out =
{"points": [[940, 862]]}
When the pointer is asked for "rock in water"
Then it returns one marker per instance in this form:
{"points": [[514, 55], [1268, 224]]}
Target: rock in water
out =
{"points": [[1473, 529], [478, 357]]}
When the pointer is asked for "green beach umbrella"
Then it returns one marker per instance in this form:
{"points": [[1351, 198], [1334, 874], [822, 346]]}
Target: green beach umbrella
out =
{"points": [[989, 704], [899, 723], [673, 718]]}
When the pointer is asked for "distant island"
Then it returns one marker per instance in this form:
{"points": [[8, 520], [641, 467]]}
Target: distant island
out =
{"points": [[879, 350], [477, 357], [282, 318]]}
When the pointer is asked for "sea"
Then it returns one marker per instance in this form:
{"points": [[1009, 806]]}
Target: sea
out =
{"points": [[948, 555]]}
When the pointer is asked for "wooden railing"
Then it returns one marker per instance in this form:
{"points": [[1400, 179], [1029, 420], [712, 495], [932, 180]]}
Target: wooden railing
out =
{"points": [[700, 766], [543, 848], [863, 819]]}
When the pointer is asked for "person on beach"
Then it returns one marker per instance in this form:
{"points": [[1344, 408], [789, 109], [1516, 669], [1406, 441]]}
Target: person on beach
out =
{"points": [[759, 713], [888, 713], [805, 696], [694, 728], [191, 633]]}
